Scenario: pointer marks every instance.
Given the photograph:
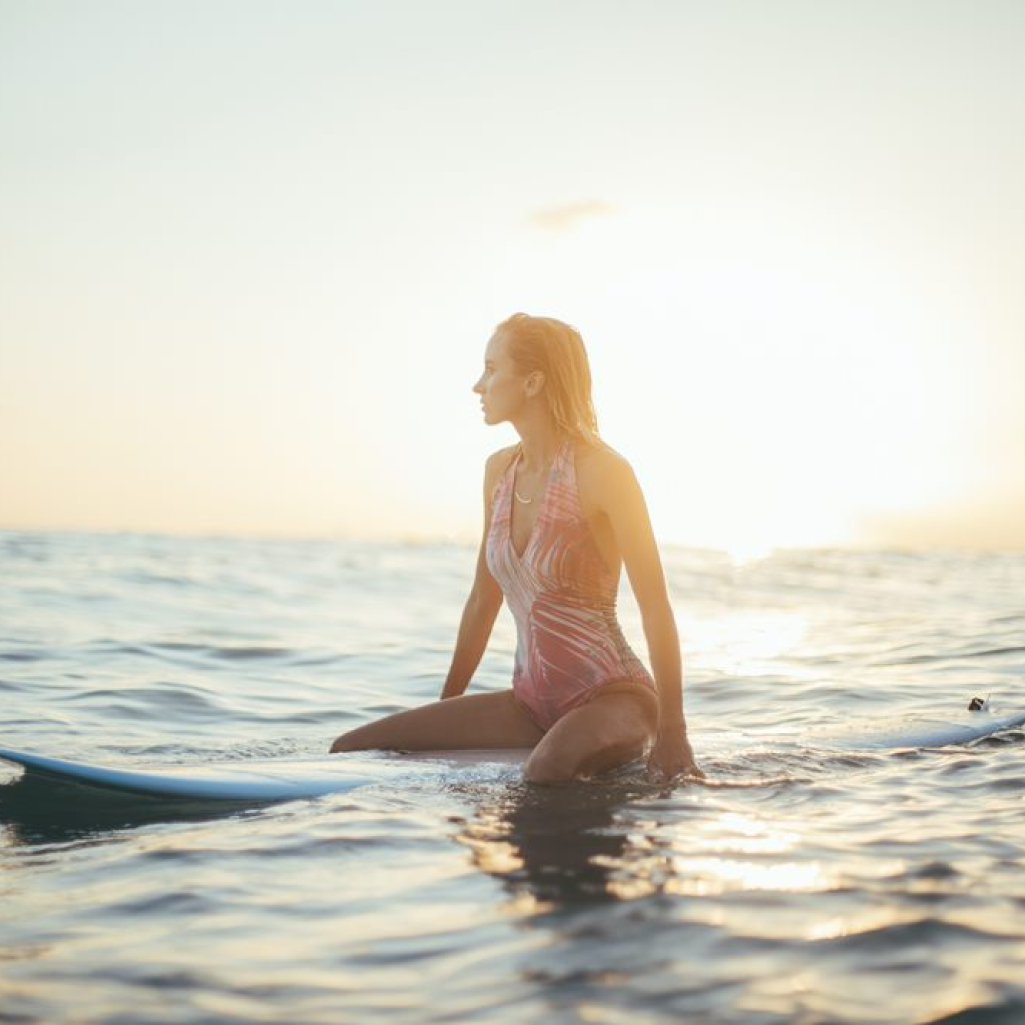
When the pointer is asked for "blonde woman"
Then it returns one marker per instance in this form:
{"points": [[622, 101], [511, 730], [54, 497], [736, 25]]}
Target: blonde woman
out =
{"points": [[563, 513]]}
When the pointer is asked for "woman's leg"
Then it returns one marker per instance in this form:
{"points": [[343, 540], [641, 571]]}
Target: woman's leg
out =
{"points": [[613, 728], [469, 721]]}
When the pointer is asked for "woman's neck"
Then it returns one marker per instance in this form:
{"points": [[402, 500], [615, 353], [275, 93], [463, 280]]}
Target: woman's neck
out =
{"points": [[539, 444]]}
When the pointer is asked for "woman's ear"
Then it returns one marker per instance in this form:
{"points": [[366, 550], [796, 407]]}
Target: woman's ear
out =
{"points": [[535, 383]]}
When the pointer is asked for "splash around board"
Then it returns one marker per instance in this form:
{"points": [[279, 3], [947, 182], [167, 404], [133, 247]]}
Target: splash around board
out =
{"points": [[267, 780]]}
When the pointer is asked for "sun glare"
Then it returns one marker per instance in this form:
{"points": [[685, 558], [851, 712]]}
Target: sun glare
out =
{"points": [[745, 643], [765, 381], [702, 877]]}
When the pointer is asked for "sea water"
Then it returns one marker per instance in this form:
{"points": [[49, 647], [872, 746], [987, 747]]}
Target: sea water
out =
{"points": [[793, 885]]}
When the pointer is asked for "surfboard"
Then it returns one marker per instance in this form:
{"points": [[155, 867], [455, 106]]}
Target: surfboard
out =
{"points": [[256, 780], [905, 732], [267, 780]]}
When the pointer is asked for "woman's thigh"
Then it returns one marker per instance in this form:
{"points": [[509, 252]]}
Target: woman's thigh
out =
{"points": [[615, 727], [469, 721]]}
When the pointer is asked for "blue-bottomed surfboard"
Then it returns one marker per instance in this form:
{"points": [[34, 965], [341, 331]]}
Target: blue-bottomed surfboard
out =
{"points": [[264, 779], [277, 779]]}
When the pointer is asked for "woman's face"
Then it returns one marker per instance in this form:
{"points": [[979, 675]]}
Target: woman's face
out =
{"points": [[502, 387]]}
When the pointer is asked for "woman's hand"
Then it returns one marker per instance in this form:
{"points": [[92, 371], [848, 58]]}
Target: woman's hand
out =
{"points": [[671, 755]]}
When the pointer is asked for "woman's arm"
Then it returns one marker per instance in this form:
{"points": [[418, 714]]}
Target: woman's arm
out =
{"points": [[622, 501], [485, 600]]}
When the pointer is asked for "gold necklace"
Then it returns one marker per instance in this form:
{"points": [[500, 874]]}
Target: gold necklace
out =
{"points": [[544, 478]]}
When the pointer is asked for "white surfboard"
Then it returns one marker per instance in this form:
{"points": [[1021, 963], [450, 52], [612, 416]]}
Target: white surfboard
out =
{"points": [[916, 731], [271, 779], [259, 780]]}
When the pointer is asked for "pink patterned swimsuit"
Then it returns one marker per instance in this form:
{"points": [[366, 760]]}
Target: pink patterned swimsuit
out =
{"points": [[562, 595]]}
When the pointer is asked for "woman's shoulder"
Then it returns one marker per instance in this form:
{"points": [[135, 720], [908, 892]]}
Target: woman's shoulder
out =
{"points": [[501, 458], [603, 476], [497, 463], [600, 462]]}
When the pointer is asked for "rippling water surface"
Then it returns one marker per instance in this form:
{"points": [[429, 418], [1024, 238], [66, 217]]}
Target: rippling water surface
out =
{"points": [[794, 885]]}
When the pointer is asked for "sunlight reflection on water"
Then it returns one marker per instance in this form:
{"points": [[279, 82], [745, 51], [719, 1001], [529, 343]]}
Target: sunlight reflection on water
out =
{"points": [[793, 886]]}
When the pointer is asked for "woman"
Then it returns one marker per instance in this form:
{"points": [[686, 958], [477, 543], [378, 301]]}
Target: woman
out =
{"points": [[562, 514]]}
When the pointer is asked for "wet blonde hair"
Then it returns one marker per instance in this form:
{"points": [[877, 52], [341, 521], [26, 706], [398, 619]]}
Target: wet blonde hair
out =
{"points": [[557, 350]]}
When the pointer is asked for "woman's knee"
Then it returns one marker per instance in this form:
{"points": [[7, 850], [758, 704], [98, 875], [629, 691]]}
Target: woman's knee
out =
{"points": [[350, 741], [386, 733], [547, 767]]}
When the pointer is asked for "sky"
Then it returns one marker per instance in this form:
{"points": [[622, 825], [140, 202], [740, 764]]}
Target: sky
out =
{"points": [[252, 252]]}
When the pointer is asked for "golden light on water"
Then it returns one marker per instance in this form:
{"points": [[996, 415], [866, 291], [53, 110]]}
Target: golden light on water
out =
{"points": [[496, 857], [743, 834], [854, 924], [703, 877], [745, 642]]}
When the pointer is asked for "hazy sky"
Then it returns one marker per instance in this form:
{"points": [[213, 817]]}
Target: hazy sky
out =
{"points": [[251, 253]]}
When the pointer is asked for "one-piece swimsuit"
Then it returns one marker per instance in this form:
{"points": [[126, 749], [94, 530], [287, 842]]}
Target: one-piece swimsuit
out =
{"points": [[562, 595]]}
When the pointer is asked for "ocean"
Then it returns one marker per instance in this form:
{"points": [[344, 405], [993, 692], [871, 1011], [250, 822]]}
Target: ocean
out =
{"points": [[794, 885]]}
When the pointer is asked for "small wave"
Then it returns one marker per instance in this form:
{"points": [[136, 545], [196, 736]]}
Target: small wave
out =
{"points": [[935, 870], [144, 577], [164, 648], [177, 903], [928, 933], [1011, 1012], [166, 699], [22, 656], [251, 652], [713, 782], [951, 656]]}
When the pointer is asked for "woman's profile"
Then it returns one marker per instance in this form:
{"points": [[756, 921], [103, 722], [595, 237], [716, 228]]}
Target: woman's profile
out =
{"points": [[563, 513]]}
